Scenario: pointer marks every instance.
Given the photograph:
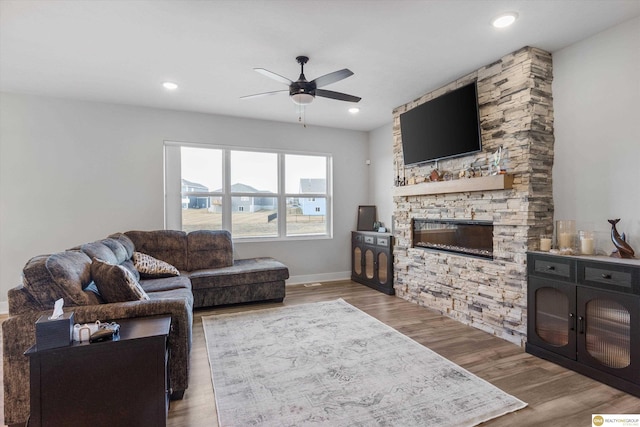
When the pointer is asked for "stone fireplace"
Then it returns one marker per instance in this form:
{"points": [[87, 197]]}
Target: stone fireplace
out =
{"points": [[487, 292]]}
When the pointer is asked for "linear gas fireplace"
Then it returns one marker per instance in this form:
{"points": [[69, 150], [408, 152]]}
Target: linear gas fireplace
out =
{"points": [[474, 238]]}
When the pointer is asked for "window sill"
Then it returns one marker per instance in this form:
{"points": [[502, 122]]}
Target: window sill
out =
{"points": [[239, 240]]}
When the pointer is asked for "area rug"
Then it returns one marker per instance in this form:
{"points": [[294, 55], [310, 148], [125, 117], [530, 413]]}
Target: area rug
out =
{"points": [[330, 364]]}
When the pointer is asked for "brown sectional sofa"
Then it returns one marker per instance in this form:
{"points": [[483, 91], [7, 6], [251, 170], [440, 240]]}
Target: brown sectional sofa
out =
{"points": [[209, 276]]}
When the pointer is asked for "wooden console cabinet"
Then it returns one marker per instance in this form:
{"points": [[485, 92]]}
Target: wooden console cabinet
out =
{"points": [[584, 314], [111, 383], [372, 260]]}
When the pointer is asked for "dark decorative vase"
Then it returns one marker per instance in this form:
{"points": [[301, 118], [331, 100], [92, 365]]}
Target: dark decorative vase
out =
{"points": [[623, 250]]}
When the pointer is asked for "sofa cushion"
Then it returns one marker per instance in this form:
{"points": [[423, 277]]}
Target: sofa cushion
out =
{"points": [[100, 251], [168, 245], [128, 264], [60, 275], [116, 283], [165, 284], [117, 248], [242, 272], [124, 241], [93, 288], [209, 249], [150, 267]]}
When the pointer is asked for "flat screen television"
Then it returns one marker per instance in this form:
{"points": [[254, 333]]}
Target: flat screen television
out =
{"points": [[444, 127]]}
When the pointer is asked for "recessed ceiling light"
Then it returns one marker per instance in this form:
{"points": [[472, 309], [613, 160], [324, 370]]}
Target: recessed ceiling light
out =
{"points": [[504, 20], [354, 110], [170, 85]]}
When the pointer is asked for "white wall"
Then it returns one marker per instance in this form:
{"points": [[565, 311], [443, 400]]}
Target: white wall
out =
{"points": [[73, 172], [596, 172], [381, 172]]}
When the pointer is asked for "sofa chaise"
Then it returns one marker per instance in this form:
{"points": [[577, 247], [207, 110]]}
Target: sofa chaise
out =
{"points": [[196, 270]]}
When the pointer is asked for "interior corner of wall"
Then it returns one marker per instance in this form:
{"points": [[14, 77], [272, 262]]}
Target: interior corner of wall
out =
{"points": [[4, 307]]}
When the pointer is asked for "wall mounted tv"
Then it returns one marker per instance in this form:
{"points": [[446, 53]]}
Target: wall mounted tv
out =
{"points": [[446, 126]]}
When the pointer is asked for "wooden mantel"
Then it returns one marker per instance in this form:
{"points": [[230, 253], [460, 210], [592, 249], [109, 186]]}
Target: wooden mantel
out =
{"points": [[464, 185]]}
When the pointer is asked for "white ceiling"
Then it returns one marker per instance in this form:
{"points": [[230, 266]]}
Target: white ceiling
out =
{"points": [[121, 51]]}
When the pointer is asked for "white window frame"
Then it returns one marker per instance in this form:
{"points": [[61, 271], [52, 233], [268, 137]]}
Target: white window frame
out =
{"points": [[173, 193]]}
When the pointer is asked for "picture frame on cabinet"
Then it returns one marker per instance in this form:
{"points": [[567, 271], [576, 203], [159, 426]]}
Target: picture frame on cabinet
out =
{"points": [[366, 217]]}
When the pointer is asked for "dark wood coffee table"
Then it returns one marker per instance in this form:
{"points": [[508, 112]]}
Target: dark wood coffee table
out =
{"points": [[111, 383]]}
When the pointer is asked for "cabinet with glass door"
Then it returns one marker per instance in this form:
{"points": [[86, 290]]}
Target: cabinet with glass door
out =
{"points": [[584, 314], [372, 260]]}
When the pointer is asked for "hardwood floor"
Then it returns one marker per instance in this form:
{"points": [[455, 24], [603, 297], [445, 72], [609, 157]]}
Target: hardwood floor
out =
{"points": [[556, 396]]}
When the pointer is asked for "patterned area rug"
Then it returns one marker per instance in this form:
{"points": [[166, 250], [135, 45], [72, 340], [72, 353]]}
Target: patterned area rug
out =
{"points": [[330, 364]]}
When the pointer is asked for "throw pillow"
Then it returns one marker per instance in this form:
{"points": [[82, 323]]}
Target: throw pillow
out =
{"points": [[115, 282], [150, 267]]}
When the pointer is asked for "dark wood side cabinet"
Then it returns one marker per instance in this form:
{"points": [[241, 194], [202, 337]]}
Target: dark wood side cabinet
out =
{"points": [[372, 260], [584, 314], [111, 383]]}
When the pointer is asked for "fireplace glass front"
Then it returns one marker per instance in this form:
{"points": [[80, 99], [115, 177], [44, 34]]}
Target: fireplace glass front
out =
{"points": [[473, 238]]}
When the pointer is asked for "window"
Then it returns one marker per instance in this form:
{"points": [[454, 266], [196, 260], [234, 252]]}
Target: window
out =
{"points": [[201, 189], [254, 194], [306, 188]]}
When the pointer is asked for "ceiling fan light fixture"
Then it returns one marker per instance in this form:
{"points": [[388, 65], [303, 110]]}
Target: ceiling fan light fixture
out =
{"points": [[354, 110], [302, 98]]}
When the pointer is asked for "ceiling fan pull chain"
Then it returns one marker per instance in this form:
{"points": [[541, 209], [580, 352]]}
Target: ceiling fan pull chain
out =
{"points": [[302, 117]]}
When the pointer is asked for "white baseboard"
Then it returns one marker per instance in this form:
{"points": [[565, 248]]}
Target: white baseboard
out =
{"points": [[323, 277]]}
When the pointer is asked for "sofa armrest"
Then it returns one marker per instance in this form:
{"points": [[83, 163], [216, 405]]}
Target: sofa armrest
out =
{"points": [[18, 334]]}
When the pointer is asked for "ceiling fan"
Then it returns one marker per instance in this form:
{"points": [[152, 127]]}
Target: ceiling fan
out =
{"points": [[303, 92]]}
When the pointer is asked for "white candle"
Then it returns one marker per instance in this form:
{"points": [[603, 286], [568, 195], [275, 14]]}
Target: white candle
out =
{"points": [[587, 246], [545, 244], [565, 240]]}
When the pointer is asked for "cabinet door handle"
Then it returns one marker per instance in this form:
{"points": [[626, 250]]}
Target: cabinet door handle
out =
{"points": [[551, 267], [572, 322], [581, 324], [606, 276]]}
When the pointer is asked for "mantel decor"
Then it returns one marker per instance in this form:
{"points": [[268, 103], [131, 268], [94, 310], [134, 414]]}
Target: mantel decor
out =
{"points": [[484, 183]]}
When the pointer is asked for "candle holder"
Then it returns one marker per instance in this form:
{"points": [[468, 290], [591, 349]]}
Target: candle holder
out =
{"points": [[587, 242], [545, 242], [566, 236], [400, 181]]}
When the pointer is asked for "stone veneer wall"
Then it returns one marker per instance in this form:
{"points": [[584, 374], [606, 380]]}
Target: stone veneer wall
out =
{"points": [[516, 112]]}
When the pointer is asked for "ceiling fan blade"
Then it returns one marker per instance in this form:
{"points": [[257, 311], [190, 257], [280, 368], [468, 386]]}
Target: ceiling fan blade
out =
{"points": [[336, 76], [273, 76], [258, 95], [337, 95]]}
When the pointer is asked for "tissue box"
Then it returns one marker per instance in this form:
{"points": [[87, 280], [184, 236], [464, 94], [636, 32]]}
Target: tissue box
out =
{"points": [[52, 333]]}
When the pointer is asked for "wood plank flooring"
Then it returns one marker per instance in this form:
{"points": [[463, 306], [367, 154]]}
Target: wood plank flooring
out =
{"points": [[556, 396]]}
